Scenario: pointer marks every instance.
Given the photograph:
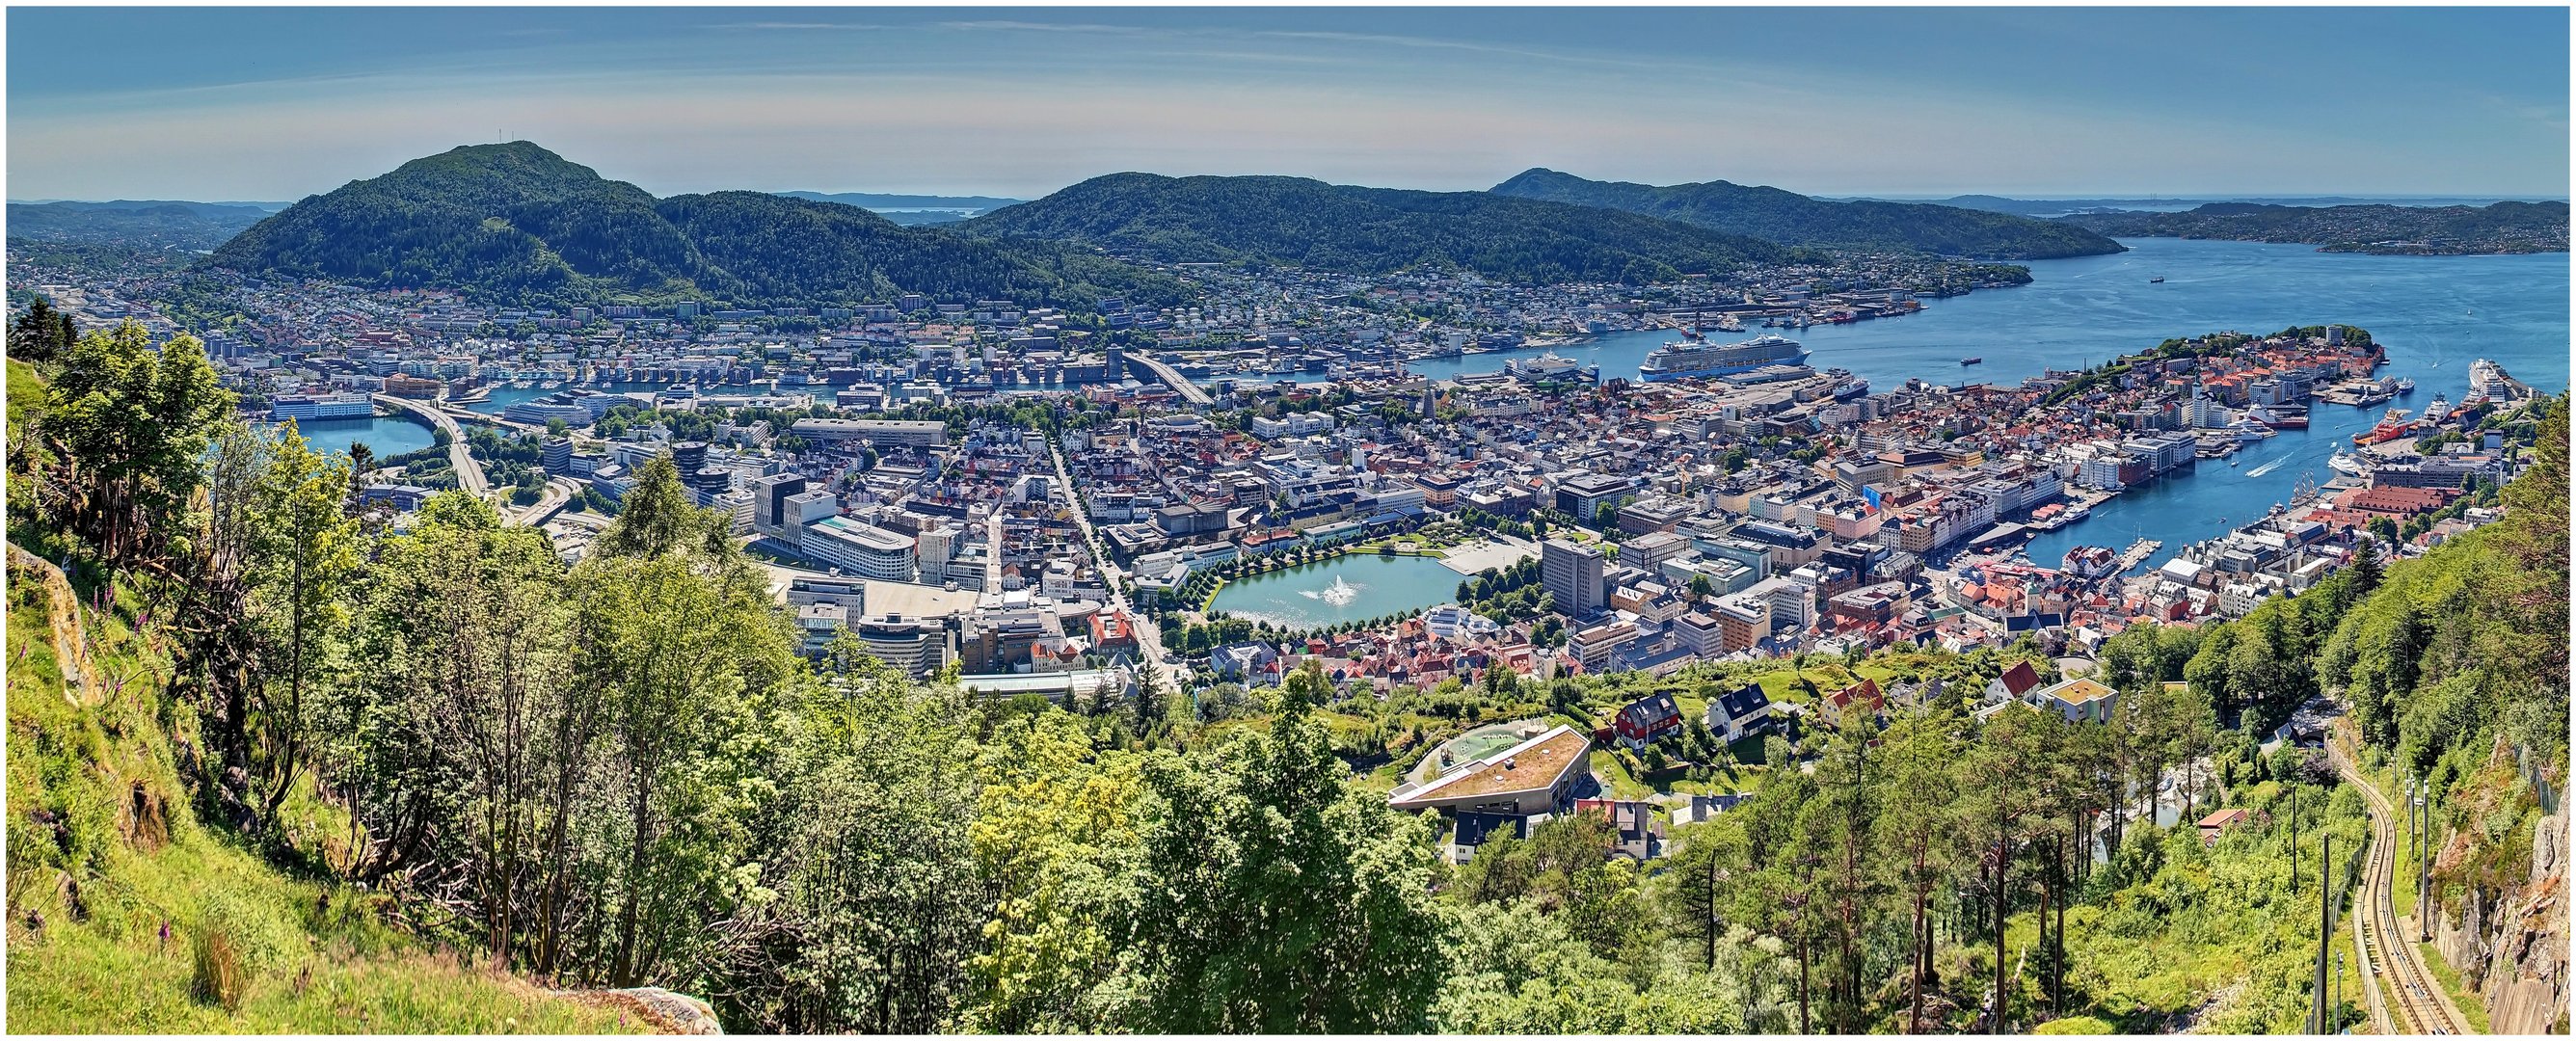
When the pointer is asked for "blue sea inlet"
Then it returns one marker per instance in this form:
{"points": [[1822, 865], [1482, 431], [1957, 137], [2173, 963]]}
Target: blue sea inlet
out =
{"points": [[2434, 315]]}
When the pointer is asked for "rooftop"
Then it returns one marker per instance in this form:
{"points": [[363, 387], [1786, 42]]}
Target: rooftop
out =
{"points": [[1528, 766]]}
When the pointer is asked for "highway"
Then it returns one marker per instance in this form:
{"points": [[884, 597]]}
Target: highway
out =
{"points": [[469, 474], [1149, 639], [1188, 391], [2404, 997], [559, 490]]}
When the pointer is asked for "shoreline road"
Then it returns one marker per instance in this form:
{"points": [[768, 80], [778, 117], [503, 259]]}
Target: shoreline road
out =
{"points": [[2404, 996], [469, 474]]}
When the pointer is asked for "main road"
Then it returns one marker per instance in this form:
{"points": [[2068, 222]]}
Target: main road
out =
{"points": [[2404, 996], [469, 474], [1188, 391], [1149, 639]]}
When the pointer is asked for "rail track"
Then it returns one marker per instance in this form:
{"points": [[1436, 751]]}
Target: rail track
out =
{"points": [[2407, 999]]}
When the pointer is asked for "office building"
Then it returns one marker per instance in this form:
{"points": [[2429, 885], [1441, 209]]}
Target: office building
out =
{"points": [[1572, 574]]}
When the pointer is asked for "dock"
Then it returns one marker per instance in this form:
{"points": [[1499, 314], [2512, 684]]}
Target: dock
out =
{"points": [[2138, 552]]}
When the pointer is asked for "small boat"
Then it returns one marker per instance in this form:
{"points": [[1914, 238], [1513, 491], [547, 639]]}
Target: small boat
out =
{"points": [[1970, 361], [2156, 280], [2231, 462]]}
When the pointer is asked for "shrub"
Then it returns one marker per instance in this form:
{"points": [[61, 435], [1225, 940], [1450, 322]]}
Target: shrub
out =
{"points": [[220, 978], [238, 939]]}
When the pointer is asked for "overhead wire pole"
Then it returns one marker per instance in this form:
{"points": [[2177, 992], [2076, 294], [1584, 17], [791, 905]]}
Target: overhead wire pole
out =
{"points": [[2325, 929], [2424, 864]]}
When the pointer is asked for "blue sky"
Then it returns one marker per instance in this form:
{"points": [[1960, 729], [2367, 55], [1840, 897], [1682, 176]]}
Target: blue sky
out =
{"points": [[278, 103]]}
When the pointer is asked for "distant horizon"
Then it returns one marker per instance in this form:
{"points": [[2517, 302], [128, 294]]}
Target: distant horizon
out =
{"points": [[2027, 103], [2454, 198]]}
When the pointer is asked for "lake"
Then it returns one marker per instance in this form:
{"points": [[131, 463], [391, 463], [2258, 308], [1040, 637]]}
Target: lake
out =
{"points": [[383, 435], [2433, 315], [1343, 589]]}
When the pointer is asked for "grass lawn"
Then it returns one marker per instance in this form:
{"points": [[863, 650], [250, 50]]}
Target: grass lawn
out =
{"points": [[2470, 1004], [1622, 784]]}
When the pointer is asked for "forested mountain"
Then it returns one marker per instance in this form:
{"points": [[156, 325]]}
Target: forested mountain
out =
{"points": [[1794, 219], [2504, 227], [174, 225], [1293, 221], [517, 222]]}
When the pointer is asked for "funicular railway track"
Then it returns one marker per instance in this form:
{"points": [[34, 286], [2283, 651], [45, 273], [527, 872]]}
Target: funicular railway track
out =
{"points": [[2406, 997]]}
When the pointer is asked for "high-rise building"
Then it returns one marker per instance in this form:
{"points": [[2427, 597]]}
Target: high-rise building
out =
{"points": [[1572, 574], [769, 502], [558, 455]]}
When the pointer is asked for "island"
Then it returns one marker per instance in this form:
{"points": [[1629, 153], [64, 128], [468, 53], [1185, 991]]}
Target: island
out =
{"points": [[2504, 227]]}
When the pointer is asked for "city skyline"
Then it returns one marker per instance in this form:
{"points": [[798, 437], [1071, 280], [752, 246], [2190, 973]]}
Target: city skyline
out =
{"points": [[282, 103]]}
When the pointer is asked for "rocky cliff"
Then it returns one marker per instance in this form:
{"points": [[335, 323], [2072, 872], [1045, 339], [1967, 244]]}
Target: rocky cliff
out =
{"points": [[2506, 933]]}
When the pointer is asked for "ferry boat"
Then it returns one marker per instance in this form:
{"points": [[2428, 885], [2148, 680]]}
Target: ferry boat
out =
{"points": [[2279, 417], [2078, 512], [1684, 359], [2405, 385], [1546, 366]]}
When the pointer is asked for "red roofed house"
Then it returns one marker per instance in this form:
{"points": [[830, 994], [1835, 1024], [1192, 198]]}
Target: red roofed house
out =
{"points": [[2019, 680], [1646, 719], [1863, 696]]}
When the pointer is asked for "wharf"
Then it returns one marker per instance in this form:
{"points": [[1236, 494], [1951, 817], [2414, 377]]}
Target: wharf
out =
{"points": [[2138, 552]]}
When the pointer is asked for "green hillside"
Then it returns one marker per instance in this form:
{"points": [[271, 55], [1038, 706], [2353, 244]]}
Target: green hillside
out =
{"points": [[1293, 221], [1794, 219], [515, 222], [105, 848]]}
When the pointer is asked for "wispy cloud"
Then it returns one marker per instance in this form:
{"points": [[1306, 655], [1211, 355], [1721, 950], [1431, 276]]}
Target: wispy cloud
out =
{"points": [[798, 26]]}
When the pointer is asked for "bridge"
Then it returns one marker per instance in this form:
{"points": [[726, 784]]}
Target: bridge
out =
{"points": [[469, 474], [1188, 391]]}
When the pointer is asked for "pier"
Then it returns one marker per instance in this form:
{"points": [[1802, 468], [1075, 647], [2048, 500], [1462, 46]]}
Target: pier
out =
{"points": [[2138, 552]]}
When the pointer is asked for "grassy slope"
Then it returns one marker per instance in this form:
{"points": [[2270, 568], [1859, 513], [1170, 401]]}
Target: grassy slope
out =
{"points": [[2214, 938], [315, 965]]}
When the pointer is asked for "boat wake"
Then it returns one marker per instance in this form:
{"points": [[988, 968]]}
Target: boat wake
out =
{"points": [[2267, 467]]}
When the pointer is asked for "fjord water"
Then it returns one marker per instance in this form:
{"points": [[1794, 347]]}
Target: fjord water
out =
{"points": [[2434, 315], [1304, 597]]}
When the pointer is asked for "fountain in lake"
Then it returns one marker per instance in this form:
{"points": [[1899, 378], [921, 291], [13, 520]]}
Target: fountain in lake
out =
{"points": [[1339, 594]]}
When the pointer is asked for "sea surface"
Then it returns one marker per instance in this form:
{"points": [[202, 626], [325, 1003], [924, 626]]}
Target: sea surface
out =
{"points": [[2433, 315], [1343, 589]]}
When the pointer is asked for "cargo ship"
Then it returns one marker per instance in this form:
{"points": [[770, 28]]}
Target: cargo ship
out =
{"points": [[1695, 357]]}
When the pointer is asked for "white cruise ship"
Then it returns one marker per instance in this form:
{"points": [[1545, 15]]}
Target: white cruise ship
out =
{"points": [[1683, 359]]}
